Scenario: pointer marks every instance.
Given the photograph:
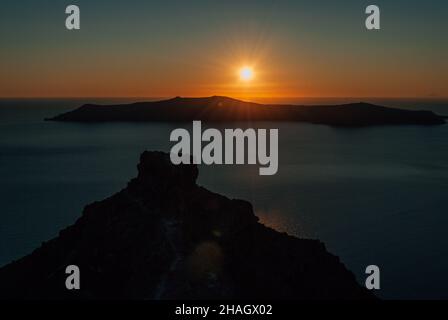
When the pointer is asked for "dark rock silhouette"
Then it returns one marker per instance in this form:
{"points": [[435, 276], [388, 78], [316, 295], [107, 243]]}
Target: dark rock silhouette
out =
{"points": [[165, 237], [227, 109]]}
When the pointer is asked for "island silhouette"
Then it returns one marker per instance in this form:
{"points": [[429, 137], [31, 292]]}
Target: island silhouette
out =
{"points": [[223, 109]]}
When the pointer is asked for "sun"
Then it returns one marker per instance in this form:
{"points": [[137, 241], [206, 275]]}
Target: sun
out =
{"points": [[246, 74]]}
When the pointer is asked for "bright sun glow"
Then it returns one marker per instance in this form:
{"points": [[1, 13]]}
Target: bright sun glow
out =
{"points": [[246, 73]]}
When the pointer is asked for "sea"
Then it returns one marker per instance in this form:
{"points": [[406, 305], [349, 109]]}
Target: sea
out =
{"points": [[373, 196]]}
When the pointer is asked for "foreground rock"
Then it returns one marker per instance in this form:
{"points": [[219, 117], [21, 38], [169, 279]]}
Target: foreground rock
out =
{"points": [[164, 237], [219, 109]]}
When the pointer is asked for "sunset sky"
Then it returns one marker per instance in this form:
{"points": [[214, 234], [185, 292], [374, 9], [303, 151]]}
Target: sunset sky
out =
{"points": [[143, 48]]}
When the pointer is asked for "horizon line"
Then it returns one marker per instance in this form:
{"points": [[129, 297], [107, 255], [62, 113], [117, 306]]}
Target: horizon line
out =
{"points": [[208, 96]]}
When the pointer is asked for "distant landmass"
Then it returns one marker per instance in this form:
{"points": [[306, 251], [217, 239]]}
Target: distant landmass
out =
{"points": [[165, 237], [221, 109]]}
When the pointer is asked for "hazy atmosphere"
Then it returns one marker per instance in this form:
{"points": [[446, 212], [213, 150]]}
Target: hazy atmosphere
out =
{"points": [[196, 48]]}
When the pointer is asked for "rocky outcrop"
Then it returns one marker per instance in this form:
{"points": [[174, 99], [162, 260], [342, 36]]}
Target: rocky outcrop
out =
{"points": [[165, 237], [219, 109]]}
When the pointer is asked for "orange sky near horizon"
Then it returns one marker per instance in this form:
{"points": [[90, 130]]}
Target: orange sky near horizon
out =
{"points": [[296, 50], [274, 78], [277, 75]]}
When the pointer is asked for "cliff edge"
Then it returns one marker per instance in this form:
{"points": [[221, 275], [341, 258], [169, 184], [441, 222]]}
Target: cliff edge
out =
{"points": [[165, 237]]}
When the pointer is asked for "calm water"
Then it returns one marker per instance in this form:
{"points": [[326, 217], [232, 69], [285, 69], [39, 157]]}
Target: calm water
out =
{"points": [[373, 195]]}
